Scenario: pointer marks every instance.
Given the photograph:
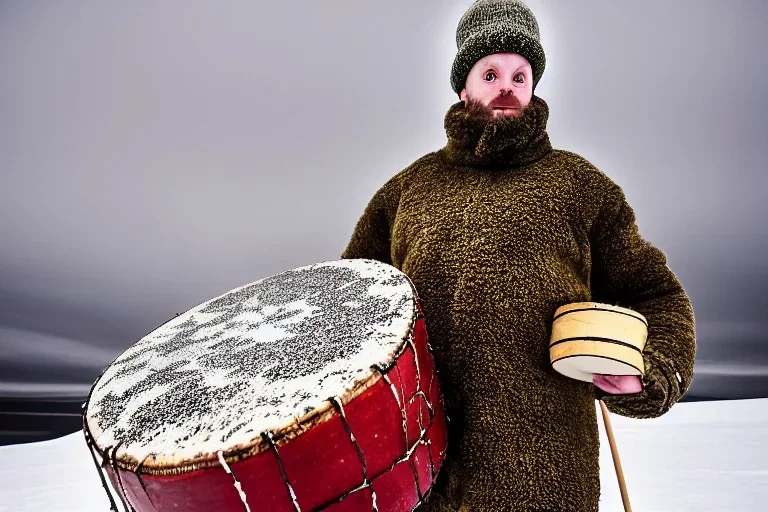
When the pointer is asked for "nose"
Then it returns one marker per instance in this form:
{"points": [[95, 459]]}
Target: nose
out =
{"points": [[506, 92]]}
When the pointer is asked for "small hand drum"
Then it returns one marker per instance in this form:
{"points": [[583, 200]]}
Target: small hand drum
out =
{"points": [[309, 390], [590, 338]]}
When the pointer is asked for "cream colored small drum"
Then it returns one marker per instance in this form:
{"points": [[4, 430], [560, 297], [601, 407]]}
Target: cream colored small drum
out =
{"points": [[590, 338]]}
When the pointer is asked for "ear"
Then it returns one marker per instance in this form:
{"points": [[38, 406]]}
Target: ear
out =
{"points": [[463, 95]]}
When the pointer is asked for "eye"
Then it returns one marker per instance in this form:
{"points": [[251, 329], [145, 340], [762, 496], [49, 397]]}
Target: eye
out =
{"points": [[490, 76], [519, 78]]}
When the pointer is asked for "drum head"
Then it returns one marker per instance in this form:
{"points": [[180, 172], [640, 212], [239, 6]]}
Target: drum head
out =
{"points": [[252, 360]]}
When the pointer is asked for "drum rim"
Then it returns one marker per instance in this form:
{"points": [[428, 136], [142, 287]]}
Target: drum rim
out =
{"points": [[577, 307], [260, 443], [556, 366]]}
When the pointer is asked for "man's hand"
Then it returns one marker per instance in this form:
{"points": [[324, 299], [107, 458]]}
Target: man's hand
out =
{"points": [[618, 384]]}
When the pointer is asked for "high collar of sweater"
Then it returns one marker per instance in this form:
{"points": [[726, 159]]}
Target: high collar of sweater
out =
{"points": [[477, 139]]}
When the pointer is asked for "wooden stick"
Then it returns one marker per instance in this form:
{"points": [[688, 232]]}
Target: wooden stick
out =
{"points": [[615, 455]]}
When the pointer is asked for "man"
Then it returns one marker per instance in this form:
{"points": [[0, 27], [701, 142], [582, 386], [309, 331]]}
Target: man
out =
{"points": [[497, 230]]}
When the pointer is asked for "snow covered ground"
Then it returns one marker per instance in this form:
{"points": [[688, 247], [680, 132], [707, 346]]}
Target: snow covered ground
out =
{"points": [[703, 456]]}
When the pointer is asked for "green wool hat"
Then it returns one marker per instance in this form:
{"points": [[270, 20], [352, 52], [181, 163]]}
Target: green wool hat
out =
{"points": [[496, 26]]}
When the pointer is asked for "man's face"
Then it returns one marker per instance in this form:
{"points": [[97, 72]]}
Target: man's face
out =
{"points": [[503, 82]]}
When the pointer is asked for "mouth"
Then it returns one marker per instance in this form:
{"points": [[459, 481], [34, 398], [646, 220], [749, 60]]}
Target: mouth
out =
{"points": [[505, 110]]}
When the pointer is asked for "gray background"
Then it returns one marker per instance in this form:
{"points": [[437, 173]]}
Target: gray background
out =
{"points": [[156, 154]]}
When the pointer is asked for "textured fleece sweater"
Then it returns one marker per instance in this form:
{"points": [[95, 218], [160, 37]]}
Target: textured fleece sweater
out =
{"points": [[497, 230]]}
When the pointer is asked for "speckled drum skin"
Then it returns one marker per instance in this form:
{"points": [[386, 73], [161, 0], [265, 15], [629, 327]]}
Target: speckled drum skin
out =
{"points": [[313, 389]]}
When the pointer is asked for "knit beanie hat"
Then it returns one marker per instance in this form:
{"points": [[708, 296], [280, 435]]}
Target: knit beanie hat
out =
{"points": [[496, 26]]}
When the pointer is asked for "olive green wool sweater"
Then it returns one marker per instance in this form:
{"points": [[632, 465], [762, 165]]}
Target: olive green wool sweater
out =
{"points": [[497, 230]]}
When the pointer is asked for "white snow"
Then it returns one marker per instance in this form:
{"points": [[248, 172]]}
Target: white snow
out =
{"points": [[704, 456]]}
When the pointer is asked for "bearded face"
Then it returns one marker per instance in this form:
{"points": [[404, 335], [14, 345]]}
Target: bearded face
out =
{"points": [[501, 82]]}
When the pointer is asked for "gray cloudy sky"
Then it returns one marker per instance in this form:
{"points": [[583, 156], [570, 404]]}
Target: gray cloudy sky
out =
{"points": [[156, 154]]}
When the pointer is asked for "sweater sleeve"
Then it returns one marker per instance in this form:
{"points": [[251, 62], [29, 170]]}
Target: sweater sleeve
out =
{"points": [[371, 236], [629, 271]]}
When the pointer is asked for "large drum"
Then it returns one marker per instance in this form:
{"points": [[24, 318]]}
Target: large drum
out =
{"points": [[313, 389]]}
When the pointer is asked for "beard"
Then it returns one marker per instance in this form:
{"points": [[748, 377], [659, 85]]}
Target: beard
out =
{"points": [[499, 129], [494, 109]]}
